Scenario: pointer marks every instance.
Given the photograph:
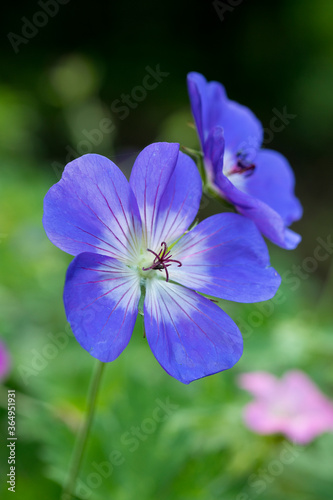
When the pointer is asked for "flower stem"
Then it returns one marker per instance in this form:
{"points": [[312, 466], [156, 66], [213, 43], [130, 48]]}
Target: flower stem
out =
{"points": [[83, 434]]}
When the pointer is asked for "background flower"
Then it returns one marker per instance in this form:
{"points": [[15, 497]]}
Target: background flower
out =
{"points": [[260, 183], [4, 361], [293, 406]]}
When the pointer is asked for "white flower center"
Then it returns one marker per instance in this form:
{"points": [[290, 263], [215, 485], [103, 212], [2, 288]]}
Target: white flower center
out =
{"points": [[237, 169]]}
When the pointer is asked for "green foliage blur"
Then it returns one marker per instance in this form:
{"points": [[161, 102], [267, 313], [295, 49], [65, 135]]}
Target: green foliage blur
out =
{"points": [[60, 97]]}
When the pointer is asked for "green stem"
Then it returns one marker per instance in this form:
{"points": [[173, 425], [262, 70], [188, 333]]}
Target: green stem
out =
{"points": [[83, 434], [198, 157], [211, 193]]}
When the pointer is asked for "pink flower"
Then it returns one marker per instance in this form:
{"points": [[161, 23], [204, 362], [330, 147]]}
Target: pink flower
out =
{"points": [[4, 361], [293, 406]]}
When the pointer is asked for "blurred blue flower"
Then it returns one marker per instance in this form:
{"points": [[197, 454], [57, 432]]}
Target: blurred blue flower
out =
{"points": [[258, 182], [133, 252]]}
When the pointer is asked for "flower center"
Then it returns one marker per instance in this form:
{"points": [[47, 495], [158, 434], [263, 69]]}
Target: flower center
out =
{"points": [[243, 166], [237, 164], [162, 260]]}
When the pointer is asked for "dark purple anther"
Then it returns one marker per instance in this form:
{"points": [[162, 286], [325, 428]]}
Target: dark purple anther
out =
{"points": [[242, 166], [162, 260]]}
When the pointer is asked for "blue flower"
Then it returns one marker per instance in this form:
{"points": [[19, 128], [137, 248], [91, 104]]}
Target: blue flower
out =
{"points": [[258, 182], [133, 251]]}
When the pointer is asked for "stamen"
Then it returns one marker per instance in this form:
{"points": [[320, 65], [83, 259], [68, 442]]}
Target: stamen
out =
{"points": [[242, 166], [165, 249], [162, 260]]}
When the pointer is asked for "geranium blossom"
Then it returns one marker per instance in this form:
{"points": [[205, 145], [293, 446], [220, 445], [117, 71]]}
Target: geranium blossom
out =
{"points": [[132, 253], [292, 405], [258, 182]]}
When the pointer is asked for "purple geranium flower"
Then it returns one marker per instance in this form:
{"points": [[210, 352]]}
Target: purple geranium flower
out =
{"points": [[258, 182], [292, 405], [133, 252]]}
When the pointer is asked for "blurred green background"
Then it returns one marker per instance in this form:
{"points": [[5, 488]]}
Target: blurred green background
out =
{"points": [[61, 84]]}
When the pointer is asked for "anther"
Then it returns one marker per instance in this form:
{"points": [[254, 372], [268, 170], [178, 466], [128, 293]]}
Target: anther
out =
{"points": [[242, 166], [162, 260]]}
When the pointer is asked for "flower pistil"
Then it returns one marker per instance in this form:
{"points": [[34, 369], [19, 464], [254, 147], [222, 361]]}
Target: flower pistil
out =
{"points": [[162, 260]]}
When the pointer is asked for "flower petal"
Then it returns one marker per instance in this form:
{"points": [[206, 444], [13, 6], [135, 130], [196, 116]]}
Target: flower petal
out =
{"points": [[92, 208], [243, 131], [150, 175], [291, 239], [5, 361], [189, 335], [267, 220], [225, 256], [101, 298], [292, 405], [273, 183], [207, 101], [261, 420], [260, 384], [180, 201], [214, 152], [211, 108], [168, 188]]}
